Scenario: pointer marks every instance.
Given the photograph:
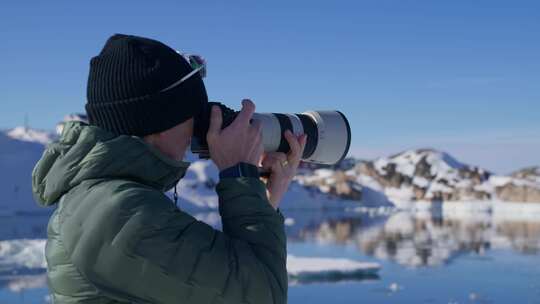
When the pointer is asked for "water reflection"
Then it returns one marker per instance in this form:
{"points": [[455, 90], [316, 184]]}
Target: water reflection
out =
{"points": [[420, 239], [27, 226], [522, 236], [21, 283], [412, 239]]}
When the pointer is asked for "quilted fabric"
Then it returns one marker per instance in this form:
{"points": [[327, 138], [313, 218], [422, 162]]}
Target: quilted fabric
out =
{"points": [[115, 237]]}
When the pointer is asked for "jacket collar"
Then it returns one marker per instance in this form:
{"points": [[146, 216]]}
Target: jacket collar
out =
{"points": [[88, 152]]}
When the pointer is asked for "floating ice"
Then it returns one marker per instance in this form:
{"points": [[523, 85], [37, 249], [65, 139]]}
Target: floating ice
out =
{"points": [[394, 287], [289, 221], [22, 254], [316, 269]]}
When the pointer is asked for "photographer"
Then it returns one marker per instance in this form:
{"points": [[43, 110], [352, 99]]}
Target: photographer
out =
{"points": [[115, 237]]}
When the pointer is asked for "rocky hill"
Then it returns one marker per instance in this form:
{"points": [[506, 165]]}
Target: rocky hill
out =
{"points": [[421, 175], [522, 186]]}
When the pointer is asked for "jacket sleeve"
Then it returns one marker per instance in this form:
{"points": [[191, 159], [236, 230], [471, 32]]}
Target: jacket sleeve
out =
{"points": [[152, 252]]}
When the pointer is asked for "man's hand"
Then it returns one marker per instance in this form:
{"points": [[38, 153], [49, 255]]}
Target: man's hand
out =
{"points": [[283, 167], [241, 141]]}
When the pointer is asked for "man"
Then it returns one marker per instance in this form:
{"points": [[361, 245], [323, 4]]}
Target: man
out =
{"points": [[115, 237]]}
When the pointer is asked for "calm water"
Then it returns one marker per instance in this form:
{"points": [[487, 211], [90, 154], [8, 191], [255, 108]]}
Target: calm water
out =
{"points": [[425, 258]]}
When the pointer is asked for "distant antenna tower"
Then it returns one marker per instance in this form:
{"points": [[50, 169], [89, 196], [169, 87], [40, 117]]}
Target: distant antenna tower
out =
{"points": [[26, 121]]}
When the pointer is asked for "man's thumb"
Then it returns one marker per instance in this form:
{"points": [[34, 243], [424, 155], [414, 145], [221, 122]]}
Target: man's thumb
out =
{"points": [[215, 121]]}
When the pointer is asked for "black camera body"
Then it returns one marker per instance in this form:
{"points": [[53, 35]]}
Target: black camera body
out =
{"points": [[202, 123]]}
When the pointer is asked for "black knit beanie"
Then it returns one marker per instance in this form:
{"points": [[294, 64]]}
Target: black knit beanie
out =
{"points": [[126, 87]]}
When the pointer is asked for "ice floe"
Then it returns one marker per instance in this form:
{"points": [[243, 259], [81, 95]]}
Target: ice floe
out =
{"points": [[22, 254], [318, 269]]}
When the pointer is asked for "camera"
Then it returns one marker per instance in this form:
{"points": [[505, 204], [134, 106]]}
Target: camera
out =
{"points": [[328, 132]]}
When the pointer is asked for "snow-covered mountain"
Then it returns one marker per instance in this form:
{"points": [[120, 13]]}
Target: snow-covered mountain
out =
{"points": [[422, 175], [522, 186], [20, 149]]}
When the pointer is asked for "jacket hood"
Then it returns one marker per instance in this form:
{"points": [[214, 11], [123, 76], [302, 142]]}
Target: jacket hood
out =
{"points": [[88, 152]]}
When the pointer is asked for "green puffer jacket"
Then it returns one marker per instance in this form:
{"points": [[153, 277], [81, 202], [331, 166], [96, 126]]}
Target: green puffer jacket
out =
{"points": [[116, 238]]}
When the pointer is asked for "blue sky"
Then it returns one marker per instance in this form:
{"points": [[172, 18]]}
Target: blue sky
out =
{"points": [[462, 76]]}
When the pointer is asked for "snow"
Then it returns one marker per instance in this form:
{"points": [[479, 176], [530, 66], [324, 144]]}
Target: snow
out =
{"points": [[325, 189], [420, 182], [204, 170], [324, 173], [197, 187], [379, 165], [394, 287], [485, 186], [498, 181], [406, 162], [441, 163], [289, 221], [31, 135], [401, 223], [372, 212], [437, 187], [403, 193], [310, 269], [22, 253], [516, 211], [368, 181], [299, 197], [461, 209], [212, 218]]}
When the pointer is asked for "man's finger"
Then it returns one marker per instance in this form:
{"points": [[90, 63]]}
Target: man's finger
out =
{"points": [[257, 126], [277, 155], [294, 153], [215, 122], [277, 167], [302, 139], [258, 144], [261, 158], [268, 159], [268, 162], [248, 108], [274, 157], [281, 156]]}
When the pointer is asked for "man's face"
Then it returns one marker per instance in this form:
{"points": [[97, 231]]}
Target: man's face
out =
{"points": [[180, 138], [174, 141]]}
